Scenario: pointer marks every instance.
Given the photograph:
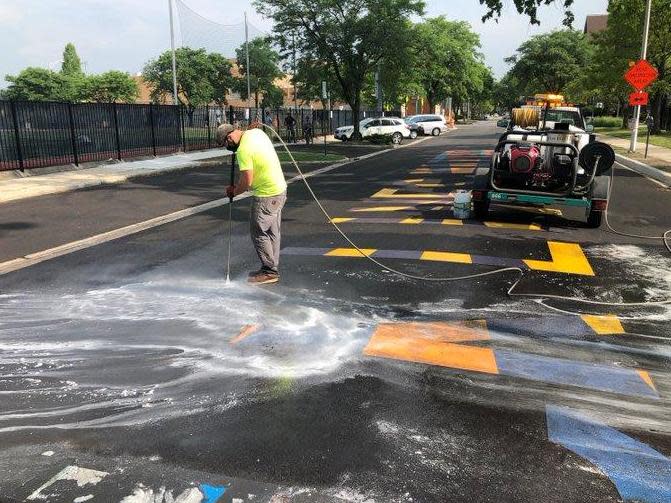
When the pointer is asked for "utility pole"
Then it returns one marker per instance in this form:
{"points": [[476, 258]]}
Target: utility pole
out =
{"points": [[174, 62], [644, 55], [249, 86], [378, 88], [293, 43]]}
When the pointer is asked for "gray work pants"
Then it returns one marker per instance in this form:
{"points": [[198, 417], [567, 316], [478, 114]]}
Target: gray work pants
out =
{"points": [[265, 222]]}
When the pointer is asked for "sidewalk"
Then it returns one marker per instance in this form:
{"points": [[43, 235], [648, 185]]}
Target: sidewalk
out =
{"points": [[31, 186], [656, 166]]}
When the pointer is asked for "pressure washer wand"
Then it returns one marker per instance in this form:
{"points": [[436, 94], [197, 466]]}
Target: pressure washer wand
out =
{"points": [[230, 223]]}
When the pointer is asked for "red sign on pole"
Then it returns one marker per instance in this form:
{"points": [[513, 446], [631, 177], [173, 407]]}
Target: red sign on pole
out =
{"points": [[641, 75], [639, 98]]}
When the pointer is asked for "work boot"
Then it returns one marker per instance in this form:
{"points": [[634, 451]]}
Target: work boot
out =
{"points": [[263, 278]]}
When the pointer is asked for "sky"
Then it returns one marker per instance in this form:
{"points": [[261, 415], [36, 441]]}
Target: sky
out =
{"points": [[125, 34]]}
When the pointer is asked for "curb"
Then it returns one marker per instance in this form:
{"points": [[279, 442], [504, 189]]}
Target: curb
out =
{"points": [[643, 169]]}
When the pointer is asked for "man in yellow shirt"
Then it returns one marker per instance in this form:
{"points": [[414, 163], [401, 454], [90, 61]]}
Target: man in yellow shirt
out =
{"points": [[260, 172]]}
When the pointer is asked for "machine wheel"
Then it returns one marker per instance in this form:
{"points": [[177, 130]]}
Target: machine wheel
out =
{"points": [[396, 138], [435, 132], [413, 135], [481, 209], [594, 219]]}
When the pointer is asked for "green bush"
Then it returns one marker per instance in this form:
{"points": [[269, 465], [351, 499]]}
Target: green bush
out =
{"points": [[607, 121]]}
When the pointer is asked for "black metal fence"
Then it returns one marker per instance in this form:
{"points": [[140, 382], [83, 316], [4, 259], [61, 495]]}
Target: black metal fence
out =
{"points": [[40, 134]]}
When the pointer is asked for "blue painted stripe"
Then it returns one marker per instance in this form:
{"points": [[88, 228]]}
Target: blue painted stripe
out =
{"points": [[638, 471], [594, 376], [212, 493]]}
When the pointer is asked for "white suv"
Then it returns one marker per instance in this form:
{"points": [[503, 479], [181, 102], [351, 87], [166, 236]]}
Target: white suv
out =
{"points": [[429, 124], [377, 126]]}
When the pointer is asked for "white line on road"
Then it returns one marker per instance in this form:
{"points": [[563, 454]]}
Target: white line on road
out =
{"points": [[81, 244]]}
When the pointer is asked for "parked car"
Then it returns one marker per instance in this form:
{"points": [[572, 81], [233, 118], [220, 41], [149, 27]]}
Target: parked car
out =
{"points": [[504, 123], [377, 126], [428, 124], [414, 129]]}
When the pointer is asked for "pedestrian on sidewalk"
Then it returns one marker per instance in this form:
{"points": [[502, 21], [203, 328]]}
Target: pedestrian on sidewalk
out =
{"points": [[260, 171], [290, 124]]}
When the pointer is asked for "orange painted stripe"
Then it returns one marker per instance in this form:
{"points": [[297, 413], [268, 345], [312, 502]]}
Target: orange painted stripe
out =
{"points": [[645, 375], [386, 343], [440, 331], [246, 331]]}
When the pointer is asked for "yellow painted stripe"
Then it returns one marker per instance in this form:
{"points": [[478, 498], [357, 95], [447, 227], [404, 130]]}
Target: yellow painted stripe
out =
{"points": [[350, 252], [645, 375], [414, 180], [505, 225], [604, 325], [431, 185], [435, 256], [384, 209], [412, 220], [452, 221], [462, 171], [567, 258], [341, 220], [392, 194]]}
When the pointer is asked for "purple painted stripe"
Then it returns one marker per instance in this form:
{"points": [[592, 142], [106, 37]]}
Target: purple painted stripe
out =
{"points": [[298, 250], [400, 254], [497, 261]]}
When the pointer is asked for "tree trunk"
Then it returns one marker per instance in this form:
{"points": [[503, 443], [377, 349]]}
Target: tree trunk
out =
{"points": [[356, 108], [256, 98]]}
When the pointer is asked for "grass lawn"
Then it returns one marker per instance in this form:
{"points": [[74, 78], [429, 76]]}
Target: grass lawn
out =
{"points": [[661, 140], [310, 157]]}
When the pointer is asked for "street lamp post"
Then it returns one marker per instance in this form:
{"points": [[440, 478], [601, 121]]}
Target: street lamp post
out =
{"points": [[644, 55]]}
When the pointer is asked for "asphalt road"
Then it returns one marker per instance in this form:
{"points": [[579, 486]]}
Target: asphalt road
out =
{"points": [[130, 372]]}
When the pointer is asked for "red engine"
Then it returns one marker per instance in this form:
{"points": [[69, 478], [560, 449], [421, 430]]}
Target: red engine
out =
{"points": [[524, 159]]}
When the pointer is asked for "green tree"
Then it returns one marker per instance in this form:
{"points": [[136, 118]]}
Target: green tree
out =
{"points": [[37, 84], [202, 77], [550, 62], [352, 36], [447, 56], [527, 7], [273, 97], [72, 65], [112, 86], [263, 68]]}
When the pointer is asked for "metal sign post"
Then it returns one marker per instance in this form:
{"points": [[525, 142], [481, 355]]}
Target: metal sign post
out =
{"points": [[644, 55]]}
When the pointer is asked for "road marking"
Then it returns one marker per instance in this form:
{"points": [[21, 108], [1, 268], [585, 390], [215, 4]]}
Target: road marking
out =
{"points": [[599, 377], [604, 324], [639, 472], [393, 194], [566, 258], [245, 332], [458, 258], [350, 252], [559, 263], [81, 476], [645, 375], [413, 220], [508, 225], [442, 343], [410, 343]]}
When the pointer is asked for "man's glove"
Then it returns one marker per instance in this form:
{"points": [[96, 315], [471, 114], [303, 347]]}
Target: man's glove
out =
{"points": [[230, 191]]}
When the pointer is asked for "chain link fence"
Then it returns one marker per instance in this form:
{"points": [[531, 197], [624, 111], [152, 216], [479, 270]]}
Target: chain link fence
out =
{"points": [[41, 134]]}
